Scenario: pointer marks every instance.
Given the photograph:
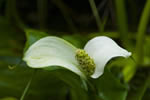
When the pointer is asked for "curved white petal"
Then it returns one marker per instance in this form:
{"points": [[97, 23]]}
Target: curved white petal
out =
{"points": [[52, 51], [102, 49]]}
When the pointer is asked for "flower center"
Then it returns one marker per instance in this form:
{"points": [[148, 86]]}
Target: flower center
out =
{"points": [[85, 61]]}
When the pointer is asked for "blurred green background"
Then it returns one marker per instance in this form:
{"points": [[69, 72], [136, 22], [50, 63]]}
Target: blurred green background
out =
{"points": [[77, 21]]}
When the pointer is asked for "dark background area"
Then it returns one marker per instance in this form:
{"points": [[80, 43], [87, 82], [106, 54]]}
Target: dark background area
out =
{"points": [[79, 12]]}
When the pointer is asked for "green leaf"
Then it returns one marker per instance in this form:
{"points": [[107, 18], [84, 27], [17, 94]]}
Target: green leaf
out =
{"points": [[10, 39], [8, 98], [110, 88], [44, 85], [32, 36], [76, 89], [76, 39], [139, 84]]}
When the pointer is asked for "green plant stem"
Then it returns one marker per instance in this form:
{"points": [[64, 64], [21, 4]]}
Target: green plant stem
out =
{"points": [[64, 10], [27, 86], [12, 14], [96, 15], [8, 10], [42, 12], [145, 86], [141, 33], [122, 21]]}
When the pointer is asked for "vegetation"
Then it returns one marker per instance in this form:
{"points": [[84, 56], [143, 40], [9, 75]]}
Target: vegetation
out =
{"points": [[23, 22]]}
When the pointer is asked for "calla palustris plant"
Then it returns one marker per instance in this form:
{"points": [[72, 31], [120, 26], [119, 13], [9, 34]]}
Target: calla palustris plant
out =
{"points": [[88, 62]]}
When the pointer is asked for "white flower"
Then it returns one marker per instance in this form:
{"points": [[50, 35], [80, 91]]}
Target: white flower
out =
{"points": [[53, 51]]}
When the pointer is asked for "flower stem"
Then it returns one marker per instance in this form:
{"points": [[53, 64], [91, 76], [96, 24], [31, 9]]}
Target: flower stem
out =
{"points": [[42, 11], [145, 86], [27, 86], [122, 21], [11, 13], [141, 33], [65, 12], [96, 15]]}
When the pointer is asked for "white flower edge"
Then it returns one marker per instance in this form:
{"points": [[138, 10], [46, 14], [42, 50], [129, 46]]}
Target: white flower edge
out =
{"points": [[102, 49], [52, 51]]}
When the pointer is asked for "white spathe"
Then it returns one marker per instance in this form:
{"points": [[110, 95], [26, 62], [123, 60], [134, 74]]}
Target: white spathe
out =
{"points": [[102, 49], [53, 51]]}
